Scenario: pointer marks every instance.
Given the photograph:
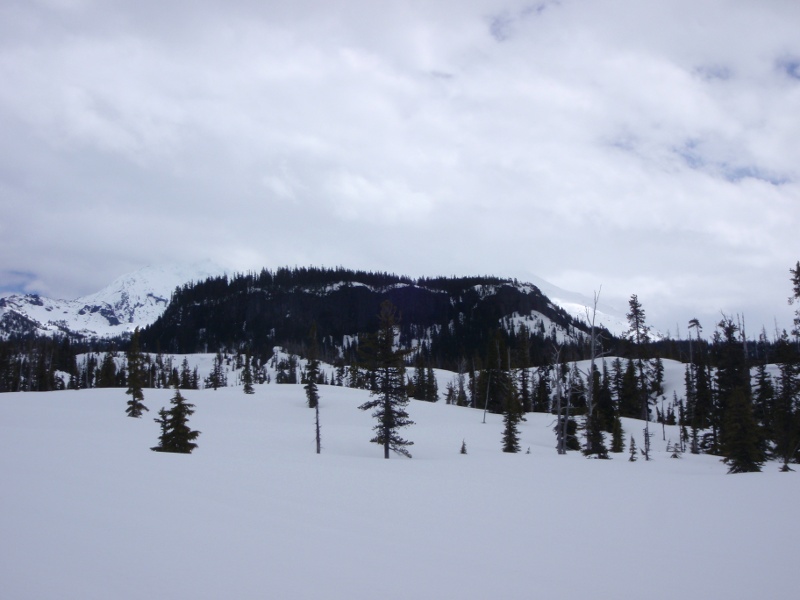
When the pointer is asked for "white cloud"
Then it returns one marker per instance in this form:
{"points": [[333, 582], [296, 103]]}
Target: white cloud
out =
{"points": [[650, 146]]}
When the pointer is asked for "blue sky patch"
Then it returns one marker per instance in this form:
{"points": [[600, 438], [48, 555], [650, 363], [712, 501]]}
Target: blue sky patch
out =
{"points": [[790, 66]]}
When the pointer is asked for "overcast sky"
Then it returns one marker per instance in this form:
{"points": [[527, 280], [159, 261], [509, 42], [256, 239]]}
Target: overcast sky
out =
{"points": [[649, 147]]}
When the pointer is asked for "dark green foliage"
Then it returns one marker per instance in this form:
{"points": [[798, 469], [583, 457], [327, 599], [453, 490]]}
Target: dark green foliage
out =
{"points": [[741, 443], [463, 446], [389, 393], [594, 433], [630, 404], [511, 419], [570, 426], [763, 396], [494, 382], [287, 370], [312, 370], [739, 436], [633, 452], [784, 422], [217, 377], [541, 400], [639, 335], [107, 375], [702, 412], [617, 436], [604, 403], [135, 379], [524, 365], [454, 316], [163, 422], [247, 375], [176, 436], [795, 273]]}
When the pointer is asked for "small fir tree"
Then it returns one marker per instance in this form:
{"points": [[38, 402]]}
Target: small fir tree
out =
{"points": [[176, 435], [633, 453], [511, 418], [135, 379]]}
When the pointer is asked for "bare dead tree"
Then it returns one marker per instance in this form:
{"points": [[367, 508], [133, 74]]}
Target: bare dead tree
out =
{"points": [[594, 343]]}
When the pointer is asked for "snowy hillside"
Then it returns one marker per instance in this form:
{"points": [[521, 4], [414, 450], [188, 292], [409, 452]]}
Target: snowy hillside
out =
{"points": [[135, 299], [89, 512], [576, 305]]}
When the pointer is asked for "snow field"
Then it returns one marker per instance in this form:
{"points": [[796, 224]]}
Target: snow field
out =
{"points": [[88, 511]]}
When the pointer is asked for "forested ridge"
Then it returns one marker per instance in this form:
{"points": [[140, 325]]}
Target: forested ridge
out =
{"points": [[453, 317]]}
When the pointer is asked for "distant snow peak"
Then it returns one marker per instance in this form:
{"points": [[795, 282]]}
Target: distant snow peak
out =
{"points": [[133, 300]]}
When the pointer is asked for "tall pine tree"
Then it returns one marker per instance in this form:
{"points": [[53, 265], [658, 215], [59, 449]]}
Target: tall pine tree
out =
{"points": [[389, 393]]}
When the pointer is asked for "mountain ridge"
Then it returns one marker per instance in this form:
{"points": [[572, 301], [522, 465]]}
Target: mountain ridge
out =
{"points": [[140, 298]]}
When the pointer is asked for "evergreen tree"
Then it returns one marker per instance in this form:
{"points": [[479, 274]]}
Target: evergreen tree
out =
{"points": [[785, 417], [795, 297], [605, 401], [594, 433], [741, 443], [389, 395], [176, 435], [107, 376], [739, 435], [541, 401], [511, 419], [629, 399], [493, 382], [163, 422], [432, 387], [701, 416], [524, 360], [135, 379], [217, 379], [617, 436], [639, 334], [312, 376], [763, 397], [312, 370], [633, 454], [247, 374], [186, 375], [419, 383], [461, 390]]}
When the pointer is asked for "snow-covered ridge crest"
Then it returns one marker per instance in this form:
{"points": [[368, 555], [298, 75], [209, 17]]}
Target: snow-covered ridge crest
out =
{"points": [[133, 300]]}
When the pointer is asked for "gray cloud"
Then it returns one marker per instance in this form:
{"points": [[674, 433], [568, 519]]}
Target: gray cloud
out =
{"points": [[648, 147]]}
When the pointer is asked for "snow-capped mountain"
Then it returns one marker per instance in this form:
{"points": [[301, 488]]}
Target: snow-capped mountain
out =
{"points": [[137, 299], [133, 300]]}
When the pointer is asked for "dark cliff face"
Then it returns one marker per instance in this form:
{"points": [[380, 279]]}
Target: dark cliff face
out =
{"points": [[454, 316]]}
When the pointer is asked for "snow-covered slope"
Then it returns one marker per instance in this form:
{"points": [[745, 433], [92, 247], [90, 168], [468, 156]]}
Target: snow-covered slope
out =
{"points": [[576, 305], [89, 512], [135, 299]]}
